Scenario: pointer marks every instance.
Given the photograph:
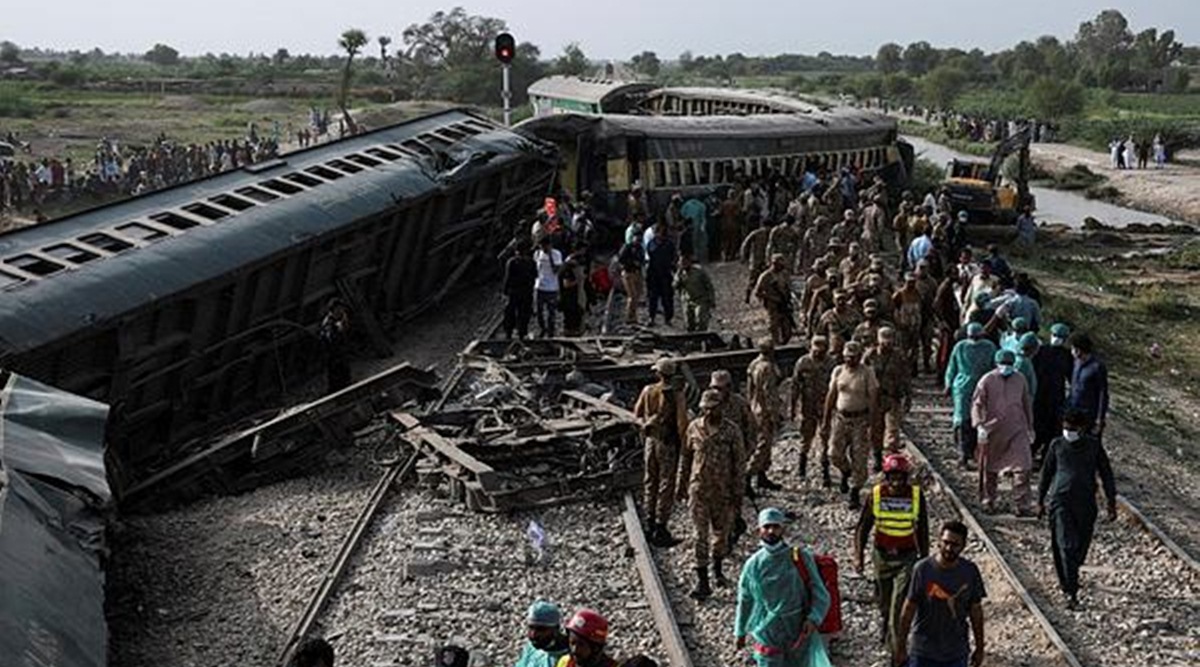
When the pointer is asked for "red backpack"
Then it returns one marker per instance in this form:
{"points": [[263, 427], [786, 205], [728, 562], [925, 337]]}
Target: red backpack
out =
{"points": [[831, 625]]}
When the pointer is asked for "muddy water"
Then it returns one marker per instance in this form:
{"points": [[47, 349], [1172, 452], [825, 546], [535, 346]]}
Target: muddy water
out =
{"points": [[1053, 206]]}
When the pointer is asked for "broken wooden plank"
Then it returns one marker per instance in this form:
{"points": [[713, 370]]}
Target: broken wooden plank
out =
{"points": [[418, 434], [593, 402]]}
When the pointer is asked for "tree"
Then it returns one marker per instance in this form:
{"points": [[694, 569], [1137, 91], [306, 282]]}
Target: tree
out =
{"points": [[941, 86], [890, 58], [1052, 99], [919, 58], [687, 61], [1104, 45], [10, 54], [352, 41], [646, 63], [384, 41], [897, 86], [452, 39], [281, 57], [572, 62], [162, 55]]}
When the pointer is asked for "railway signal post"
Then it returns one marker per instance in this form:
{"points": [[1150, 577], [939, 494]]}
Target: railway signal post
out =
{"points": [[506, 49]]}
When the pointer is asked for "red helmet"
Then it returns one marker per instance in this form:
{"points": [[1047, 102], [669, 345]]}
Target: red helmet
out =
{"points": [[895, 463], [590, 625]]}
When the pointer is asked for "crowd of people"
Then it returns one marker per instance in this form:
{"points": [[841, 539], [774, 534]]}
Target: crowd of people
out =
{"points": [[32, 185], [121, 170], [1132, 153], [883, 290]]}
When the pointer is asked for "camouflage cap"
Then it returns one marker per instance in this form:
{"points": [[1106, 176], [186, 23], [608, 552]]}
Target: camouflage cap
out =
{"points": [[852, 349], [720, 379]]}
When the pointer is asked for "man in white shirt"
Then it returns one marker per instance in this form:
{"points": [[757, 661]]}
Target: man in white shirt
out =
{"points": [[548, 261]]}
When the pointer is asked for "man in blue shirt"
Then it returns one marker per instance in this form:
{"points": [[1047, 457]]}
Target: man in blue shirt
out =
{"points": [[1089, 383]]}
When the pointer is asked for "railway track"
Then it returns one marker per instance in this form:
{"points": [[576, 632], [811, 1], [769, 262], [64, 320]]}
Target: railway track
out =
{"points": [[1140, 589]]}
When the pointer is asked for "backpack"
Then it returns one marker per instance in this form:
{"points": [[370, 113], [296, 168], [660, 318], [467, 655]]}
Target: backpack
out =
{"points": [[828, 568]]}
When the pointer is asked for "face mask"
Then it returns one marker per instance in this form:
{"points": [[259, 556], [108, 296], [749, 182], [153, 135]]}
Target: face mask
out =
{"points": [[1070, 435], [1056, 341], [1007, 371]]}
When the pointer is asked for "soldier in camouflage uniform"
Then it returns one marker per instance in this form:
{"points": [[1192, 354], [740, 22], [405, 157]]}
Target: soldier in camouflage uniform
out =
{"points": [[662, 409], [785, 240], [893, 372], [838, 323], [822, 301], [867, 331], [909, 318], [810, 383], [736, 407], [774, 290], [699, 295], [875, 224], [754, 253], [710, 469], [762, 388], [849, 409]]}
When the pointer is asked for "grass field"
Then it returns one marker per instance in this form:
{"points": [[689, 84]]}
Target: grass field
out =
{"points": [[69, 122]]}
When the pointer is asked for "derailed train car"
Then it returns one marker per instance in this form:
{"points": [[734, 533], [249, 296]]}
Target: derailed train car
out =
{"points": [[189, 306]]}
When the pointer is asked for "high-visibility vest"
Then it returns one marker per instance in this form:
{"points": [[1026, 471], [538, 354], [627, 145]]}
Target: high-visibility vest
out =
{"points": [[896, 516]]}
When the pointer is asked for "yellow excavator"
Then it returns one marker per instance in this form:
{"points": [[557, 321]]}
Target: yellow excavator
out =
{"points": [[978, 187]]}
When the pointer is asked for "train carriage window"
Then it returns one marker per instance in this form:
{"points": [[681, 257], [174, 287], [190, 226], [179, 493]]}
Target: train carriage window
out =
{"points": [[71, 253], [325, 172], [105, 242], [344, 166], [660, 174], [174, 220], [281, 187], [704, 172], [8, 280], [231, 202], [303, 179], [673, 174], [257, 194], [719, 175], [141, 232], [451, 133], [466, 129], [417, 147], [363, 160], [387, 155], [38, 266], [434, 140], [205, 211], [689, 173]]}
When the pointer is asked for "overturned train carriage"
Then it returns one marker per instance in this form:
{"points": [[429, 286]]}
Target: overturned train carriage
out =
{"points": [[189, 306]]}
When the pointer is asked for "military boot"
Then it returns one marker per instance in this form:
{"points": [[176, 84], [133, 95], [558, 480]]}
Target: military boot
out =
{"points": [[718, 574], [855, 499], [766, 484], [701, 591], [826, 481], [663, 537]]}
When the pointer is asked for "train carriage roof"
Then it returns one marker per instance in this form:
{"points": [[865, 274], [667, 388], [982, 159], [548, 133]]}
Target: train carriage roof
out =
{"points": [[587, 90], [682, 127], [47, 296]]}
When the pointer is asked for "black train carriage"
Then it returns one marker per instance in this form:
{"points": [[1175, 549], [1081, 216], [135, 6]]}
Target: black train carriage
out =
{"points": [[191, 305], [695, 155]]}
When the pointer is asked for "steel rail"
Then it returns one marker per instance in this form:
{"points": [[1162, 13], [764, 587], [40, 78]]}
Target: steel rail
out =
{"points": [[316, 603], [656, 593], [973, 523]]}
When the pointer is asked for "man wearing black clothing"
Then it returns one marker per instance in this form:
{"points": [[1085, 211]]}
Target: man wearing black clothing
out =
{"points": [[1053, 366], [1069, 480], [660, 291], [520, 273]]}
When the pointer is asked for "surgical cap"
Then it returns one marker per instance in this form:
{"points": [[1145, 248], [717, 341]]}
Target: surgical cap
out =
{"points": [[544, 614], [771, 515], [1020, 323], [974, 330], [1005, 358], [1029, 339], [1060, 330]]}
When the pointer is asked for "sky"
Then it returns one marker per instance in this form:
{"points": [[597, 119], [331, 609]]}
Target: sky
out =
{"points": [[607, 29]]}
